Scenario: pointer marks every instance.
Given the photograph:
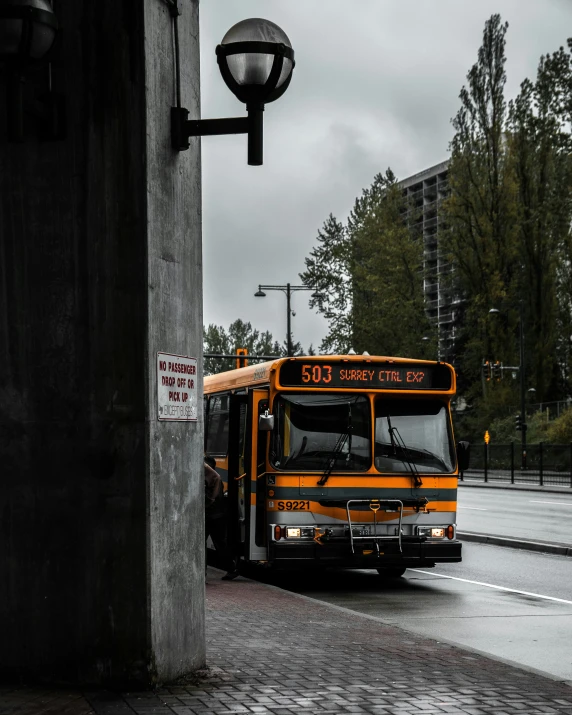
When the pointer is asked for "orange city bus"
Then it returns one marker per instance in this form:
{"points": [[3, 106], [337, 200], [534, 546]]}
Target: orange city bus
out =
{"points": [[343, 461]]}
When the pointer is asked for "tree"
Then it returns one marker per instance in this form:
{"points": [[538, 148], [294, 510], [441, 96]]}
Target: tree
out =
{"points": [[216, 340], [559, 431], [239, 335], [297, 348], [328, 272], [508, 220], [480, 237], [539, 129], [387, 272], [368, 276]]}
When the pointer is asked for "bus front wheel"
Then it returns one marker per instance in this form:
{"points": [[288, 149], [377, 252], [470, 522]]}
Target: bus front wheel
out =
{"points": [[391, 572]]}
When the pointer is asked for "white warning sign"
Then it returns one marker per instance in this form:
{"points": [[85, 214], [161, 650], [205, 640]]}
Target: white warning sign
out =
{"points": [[176, 387]]}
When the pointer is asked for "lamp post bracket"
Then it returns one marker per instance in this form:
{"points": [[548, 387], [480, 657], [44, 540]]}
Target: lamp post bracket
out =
{"points": [[212, 127]]}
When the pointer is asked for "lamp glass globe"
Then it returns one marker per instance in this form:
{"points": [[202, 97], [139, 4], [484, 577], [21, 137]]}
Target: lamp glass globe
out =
{"points": [[253, 68], [11, 30]]}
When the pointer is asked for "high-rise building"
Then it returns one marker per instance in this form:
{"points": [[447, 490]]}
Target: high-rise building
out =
{"points": [[425, 192]]}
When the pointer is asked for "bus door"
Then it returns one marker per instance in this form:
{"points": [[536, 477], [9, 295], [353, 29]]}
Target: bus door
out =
{"points": [[237, 512], [246, 465], [258, 537]]}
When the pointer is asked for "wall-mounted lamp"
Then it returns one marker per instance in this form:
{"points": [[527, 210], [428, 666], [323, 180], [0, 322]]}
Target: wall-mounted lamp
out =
{"points": [[256, 61], [28, 30]]}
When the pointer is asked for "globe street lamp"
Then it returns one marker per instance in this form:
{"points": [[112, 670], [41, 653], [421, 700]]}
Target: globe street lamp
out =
{"points": [[287, 289], [28, 30], [256, 61]]}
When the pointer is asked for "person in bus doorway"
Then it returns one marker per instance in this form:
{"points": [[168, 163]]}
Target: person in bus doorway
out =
{"points": [[216, 518]]}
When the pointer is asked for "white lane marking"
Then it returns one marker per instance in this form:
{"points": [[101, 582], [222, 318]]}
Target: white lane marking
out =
{"points": [[492, 585], [473, 508], [558, 503]]}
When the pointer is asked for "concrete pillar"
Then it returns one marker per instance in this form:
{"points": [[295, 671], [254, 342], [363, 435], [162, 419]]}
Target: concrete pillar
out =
{"points": [[101, 504]]}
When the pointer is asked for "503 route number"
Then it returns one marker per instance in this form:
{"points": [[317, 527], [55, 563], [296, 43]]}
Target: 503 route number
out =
{"points": [[316, 373], [293, 505]]}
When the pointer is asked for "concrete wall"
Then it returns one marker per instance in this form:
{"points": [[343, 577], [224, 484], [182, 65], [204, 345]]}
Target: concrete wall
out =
{"points": [[176, 537], [101, 505]]}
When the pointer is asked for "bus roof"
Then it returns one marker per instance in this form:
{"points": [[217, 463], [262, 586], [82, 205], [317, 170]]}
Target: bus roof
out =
{"points": [[260, 374]]}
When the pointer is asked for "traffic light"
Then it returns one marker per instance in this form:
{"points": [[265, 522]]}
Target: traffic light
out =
{"points": [[497, 370], [519, 423], [241, 361], [486, 370]]}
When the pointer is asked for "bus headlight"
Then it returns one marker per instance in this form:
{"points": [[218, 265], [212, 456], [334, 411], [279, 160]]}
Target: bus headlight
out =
{"points": [[437, 532], [299, 532]]}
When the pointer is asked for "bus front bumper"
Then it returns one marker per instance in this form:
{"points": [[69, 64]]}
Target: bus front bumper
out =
{"points": [[414, 553]]}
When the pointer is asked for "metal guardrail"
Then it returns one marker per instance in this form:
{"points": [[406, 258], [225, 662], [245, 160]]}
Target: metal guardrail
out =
{"points": [[542, 464]]}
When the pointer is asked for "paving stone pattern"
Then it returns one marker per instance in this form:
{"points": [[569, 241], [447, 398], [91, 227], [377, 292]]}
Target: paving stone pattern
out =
{"points": [[270, 651]]}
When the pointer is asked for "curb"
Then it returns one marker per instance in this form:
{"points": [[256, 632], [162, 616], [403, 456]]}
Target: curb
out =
{"points": [[520, 486], [539, 546]]}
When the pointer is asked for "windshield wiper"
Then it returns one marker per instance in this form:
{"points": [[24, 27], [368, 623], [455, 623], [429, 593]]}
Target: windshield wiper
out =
{"points": [[393, 431], [430, 454], [391, 435], [342, 439], [349, 433]]}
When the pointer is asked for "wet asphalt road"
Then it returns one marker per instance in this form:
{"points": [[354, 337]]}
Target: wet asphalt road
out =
{"points": [[528, 515]]}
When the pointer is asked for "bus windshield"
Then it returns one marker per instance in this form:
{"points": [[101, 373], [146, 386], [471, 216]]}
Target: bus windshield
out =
{"points": [[413, 432], [311, 430]]}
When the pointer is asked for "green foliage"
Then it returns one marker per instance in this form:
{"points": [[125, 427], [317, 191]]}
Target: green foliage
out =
{"points": [[328, 271], [559, 431], [480, 238], [242, 335], [541, 144], [540, 429], [369, 278], [239, 335], [503, 430], [388, 309], [501, 426], [505, 241], [507, 225], [471, 424]]}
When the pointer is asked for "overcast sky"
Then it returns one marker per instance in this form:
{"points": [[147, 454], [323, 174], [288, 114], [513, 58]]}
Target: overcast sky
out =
{"points": [[376, 83]]}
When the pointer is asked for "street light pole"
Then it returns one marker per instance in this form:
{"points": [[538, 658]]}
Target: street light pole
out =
{"points": [[287, 289], [521, 370], [288, 321], [522, 387]]}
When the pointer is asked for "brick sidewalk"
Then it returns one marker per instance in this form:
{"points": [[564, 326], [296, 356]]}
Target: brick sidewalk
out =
{"points": [[270, 651]]}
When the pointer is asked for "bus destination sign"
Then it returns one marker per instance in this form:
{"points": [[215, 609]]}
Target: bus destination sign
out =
{"points": [[365, 375]]}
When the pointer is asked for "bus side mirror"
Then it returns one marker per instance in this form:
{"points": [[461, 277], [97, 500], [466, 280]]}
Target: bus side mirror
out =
{"points": [[266, 422], [463, 455]]}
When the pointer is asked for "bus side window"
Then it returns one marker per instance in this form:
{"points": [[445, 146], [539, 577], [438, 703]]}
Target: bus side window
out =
{"points": [[216, 427]]}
